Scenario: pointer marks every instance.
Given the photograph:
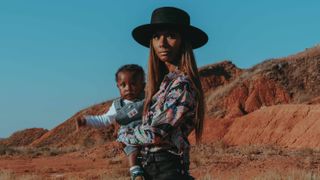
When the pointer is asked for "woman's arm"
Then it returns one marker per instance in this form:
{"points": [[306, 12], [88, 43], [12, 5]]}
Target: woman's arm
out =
{"points": [[178, 103]]}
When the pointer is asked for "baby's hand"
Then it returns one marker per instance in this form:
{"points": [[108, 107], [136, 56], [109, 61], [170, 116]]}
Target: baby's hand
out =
{"points": [[80, 122]]}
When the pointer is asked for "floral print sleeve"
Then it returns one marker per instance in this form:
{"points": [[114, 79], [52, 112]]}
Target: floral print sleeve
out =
{"points": [[173, 103]]}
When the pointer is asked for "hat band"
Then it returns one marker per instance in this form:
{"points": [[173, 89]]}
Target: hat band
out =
{"points": [[169, 20]]}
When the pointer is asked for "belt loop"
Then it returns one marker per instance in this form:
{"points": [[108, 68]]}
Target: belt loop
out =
{"points": [[145, 157], [175, 153]]}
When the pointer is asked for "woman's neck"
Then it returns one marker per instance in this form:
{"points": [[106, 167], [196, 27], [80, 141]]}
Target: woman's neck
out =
{"points": [[171, 66]]}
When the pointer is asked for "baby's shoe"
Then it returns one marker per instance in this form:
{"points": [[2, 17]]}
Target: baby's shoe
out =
{"points": [[136, 173]]}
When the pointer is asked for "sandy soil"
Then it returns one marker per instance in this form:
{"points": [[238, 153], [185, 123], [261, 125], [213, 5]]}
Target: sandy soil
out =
{"points": [[212, 161]]}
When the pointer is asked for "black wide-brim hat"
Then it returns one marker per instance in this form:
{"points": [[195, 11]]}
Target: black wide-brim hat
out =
{"points": [[170, 17]]}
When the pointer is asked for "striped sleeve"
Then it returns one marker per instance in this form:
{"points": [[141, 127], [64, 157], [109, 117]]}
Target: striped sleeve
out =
{"points": [[104, 120]]}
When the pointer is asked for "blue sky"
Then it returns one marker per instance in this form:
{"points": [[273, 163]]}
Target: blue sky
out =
{"points": [[58, 57]]}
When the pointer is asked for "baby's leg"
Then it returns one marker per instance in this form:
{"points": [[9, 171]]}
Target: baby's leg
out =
{"points": [[132, 158], [136, 170]]}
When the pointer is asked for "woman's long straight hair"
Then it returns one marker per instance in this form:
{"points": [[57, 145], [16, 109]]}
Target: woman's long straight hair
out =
{"points": [[156, 72]]}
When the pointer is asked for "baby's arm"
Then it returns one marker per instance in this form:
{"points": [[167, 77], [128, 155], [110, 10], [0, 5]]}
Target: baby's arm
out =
{"points": [[104, 120], [99, 120], [128, 113]]}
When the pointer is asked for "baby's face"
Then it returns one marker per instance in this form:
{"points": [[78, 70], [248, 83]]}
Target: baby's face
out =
{"points": [[130, 87]]}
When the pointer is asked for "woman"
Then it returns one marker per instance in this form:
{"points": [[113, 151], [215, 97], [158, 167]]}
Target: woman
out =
{"points": [[174, 99]]}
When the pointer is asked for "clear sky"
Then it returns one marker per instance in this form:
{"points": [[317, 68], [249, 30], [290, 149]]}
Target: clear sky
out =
{"points": [[59, 56]]}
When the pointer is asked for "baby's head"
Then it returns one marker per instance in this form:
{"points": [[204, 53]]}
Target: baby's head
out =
{"points": [[130, 81]]}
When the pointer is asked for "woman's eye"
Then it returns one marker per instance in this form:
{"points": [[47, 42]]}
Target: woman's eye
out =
{"points": [[155, 36], [172, 36]]}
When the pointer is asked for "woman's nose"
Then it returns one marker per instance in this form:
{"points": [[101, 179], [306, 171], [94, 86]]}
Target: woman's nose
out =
{"points": [[162, 41]]}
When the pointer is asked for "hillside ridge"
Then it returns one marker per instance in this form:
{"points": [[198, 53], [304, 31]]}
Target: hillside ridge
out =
{"points": [[232, 95]]}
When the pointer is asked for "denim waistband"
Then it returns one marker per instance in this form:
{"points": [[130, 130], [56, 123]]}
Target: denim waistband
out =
{"points": [[160, 156]]}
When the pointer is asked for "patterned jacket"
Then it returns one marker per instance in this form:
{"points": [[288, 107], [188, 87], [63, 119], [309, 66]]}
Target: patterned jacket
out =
{"points": [[169, 119]]}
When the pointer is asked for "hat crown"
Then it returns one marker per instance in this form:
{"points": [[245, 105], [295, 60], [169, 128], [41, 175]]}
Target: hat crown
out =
{"points": [[170, 15]]}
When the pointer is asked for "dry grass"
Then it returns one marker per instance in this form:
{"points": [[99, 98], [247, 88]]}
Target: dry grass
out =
{"points": [[291, 175], [220, 161], [221, 148], [313, 52], [119, 168], [8, 175], [301, 98], [270, 175], [117, 174], [216, 161], [207, 176], [35, 152]]}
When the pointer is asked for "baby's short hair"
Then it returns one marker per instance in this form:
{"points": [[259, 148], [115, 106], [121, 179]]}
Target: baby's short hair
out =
{"points": [[138, 70]]}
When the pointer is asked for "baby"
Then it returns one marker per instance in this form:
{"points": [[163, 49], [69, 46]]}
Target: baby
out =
{"points": [[130, 82]]}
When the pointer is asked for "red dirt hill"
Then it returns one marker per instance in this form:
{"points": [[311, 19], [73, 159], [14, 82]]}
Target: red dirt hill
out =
{"points": [[293, 126], [65, 134], [24, 137], [294, 79], [232, 96], [219, 74]]}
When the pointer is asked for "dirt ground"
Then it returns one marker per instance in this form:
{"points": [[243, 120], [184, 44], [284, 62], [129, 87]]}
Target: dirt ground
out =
{"points": [[210, 161]]}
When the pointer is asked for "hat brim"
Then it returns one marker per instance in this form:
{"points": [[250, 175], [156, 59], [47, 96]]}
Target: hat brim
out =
{"points": [[197, 38]]}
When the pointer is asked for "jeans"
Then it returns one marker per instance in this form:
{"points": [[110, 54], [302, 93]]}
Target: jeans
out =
{"points": [[171, 168]]}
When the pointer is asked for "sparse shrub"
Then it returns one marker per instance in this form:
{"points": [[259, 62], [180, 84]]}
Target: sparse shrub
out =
{"points": [[2, 150], [196, 160], [114, 161], [307, 152], [8, 175], [304, 152], [88, 142], [35, 152], [116, 174], [222, 145], [207, 176], [303, 98], [291, 174], [6, 150]]}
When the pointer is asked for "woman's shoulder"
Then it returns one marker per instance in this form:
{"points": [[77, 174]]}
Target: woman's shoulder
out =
{"points": [[180, 78]]}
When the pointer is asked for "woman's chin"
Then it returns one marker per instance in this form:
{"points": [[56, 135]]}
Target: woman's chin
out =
{"points": [[165, 59]]}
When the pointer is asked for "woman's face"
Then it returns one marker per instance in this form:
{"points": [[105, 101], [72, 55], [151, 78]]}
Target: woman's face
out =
{"points": [[166, 45]]}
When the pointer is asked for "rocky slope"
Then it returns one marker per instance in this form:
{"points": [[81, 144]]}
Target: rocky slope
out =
{"points": [[238, 102], [65, 134], [294, 79], [291, 125], [24, 137]]}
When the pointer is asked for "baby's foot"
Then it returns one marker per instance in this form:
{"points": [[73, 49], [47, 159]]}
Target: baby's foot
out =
{"points": [[136, 173]]}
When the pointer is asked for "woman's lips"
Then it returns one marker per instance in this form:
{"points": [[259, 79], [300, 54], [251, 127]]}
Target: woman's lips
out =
{"points": [[164, 53]]}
